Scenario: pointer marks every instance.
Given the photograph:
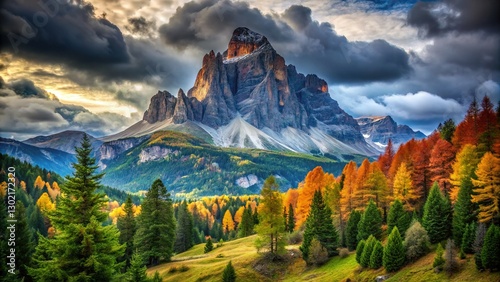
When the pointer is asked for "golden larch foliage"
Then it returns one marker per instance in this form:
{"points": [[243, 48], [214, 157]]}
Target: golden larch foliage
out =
{"points": [[403, 188], [487, 187], [45, 204], [291, 197], [239, 214], [39, 183], [464, 166], [3, 188], [22, 184], [227, 222]]}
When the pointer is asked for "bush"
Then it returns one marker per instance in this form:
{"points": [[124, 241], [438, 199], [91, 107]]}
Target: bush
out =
{"points": [[451, 263], [438, 259], [173, 269], [183, 268], [318, 255], [219, 256], [220, 243], [359, 250], [377, 256], [343, 252], [416, 242], [295, 238]]}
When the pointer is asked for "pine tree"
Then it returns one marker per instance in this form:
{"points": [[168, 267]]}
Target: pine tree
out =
{"points": [[229, 275], [352, 230], [394, 252], [490, 254], [319, 226], [270, 229], [436, 216], [127, 226], [209, 246], [359, 250], [438, 259], [155, 235], [137, 270], [291, 219], [24, 241], [82, 248], [377, 256], [467, 245], [245, 228], [464, 210], [157, 277], [184, 234], [367, 251], [398, 217], [478, 245], [370, 223]]}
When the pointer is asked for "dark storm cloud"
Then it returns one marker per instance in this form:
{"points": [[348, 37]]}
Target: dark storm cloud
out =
{"points": [[437, 18], [140, 25], [30, 110], [312, 46], [92, 49]]}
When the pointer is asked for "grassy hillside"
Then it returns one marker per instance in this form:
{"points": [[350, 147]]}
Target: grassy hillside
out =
{"points": [[242, 253], [189, 165]]}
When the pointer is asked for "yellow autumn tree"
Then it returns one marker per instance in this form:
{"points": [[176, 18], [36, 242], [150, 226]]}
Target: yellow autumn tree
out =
{"points": [[22, 184], [377, 187], [315, 180], [487, 188], [348, 189], [403, 188], [227, 222], [239, 214], [45, 204], [3, 188], [39, 183], [363, 192], [464, 167]]}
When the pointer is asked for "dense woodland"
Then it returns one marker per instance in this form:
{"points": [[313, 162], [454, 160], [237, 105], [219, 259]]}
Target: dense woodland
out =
{"points": [[441, 193]]}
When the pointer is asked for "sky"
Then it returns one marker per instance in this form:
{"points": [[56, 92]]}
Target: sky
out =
{"points": [[94, 65]]}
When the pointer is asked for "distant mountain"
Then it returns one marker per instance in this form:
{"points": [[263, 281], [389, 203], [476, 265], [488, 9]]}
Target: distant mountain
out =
{"points": [[64, 141], [248, 97], [48, 158], [379, 129], [187, 164]]}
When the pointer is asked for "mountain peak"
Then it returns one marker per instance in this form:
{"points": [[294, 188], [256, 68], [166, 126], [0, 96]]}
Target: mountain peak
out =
{"points": [[244, 41]]}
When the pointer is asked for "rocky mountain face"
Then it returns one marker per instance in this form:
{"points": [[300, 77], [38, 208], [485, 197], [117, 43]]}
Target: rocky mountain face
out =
{"points": [[249, 97], [65, 141], [379, 129]]}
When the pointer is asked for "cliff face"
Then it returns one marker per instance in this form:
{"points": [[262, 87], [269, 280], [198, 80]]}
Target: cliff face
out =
{"points": [[252, 82], [382, 128]]}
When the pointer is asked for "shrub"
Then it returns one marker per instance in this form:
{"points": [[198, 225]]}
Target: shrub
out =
{"points": [[451, 263], [209, 245], [343, 252], [438, 259], [183, 268], [173, 269], [220, 243], [295, 238], [318, 255], [416, 242]]}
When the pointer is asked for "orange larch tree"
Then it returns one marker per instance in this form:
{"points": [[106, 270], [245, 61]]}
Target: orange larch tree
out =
{"points": [[440, 166], [348, 189], [362, 193]]}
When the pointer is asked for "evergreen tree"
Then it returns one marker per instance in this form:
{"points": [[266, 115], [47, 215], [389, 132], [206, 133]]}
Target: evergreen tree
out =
{"points": [[291, 219], [155, 234], [370, 223], [398, 217], [464, 210], [319, 226], [127, 226], [157, 277], [438, 259], [467, 246], [229, 275], [271, 228], [394, 252], [137, 270], [24, 241], [359, 250], [377, 256], [490, 254], [447, 129], [82, 248], [451, 263], [436, 215], [367, 251], [209, 246], [184, 235], [352, 230], [245, 228]]}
